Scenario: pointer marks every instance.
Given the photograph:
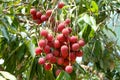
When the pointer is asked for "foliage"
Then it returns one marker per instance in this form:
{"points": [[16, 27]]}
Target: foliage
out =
{"points": [[89, 19]]}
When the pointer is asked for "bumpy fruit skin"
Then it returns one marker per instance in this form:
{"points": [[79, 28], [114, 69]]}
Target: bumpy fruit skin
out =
{"points": [[61, 37], [50, 43], [72, 56], [65, 31], [50, 37], [49, 56], [73, 39], [48, 13], [60, 61], [44, 33], [41, 61], [64, 54], [67, 21], [38, 21], [56, 53], [57, 72], [33, 11], [61, 5], [47, 66], [79, 53], [42, 43], [69, 69], [75, 47], [56, 44], [81, 42], [47, 49], [60, 27], [34, 17], [53, 60], [66, 62], [43, 17], [64, 49], [39, 14], [38, 51]]}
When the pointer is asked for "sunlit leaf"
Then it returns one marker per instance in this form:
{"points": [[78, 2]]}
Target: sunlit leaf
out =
{"points": [[7, 75]]}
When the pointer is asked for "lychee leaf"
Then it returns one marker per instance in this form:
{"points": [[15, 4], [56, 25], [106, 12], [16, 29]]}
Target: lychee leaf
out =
{"points": [[31, 48]]}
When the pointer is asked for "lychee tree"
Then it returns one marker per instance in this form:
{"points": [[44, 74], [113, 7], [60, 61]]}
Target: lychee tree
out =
{"points": [[43, 39]]}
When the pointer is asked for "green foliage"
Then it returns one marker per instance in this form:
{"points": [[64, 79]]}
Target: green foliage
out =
{"points": [[19, 35]]}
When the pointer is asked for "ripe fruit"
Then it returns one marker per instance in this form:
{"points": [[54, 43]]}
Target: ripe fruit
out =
{"points": [[50, 37], [73, 39], [66, 62], [53, 60], [42, 43], [34, 17], [69, 69], [39, 14], [47, 66], [64, 54], [65, 31], [38, 50], [56, 53], [33, 11], [72, 56], [56, 44], [67, 21], [47, 49], [43, 17], [79, 53], [44, 33], [50, 43], [41, 60], [60, 61], [75, 47], [70, 29], [58, 48], [60, 27], [81, 42], [39, 21], [49, 56], [61, 37], [64, 49], [61, 5], [57, 72], [48, 13]]}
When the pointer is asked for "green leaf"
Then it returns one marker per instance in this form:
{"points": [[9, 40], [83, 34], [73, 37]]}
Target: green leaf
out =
{"points": [[63, 76], [67, 76], [94, 7], [5, 33], [9, 19], [49, 75], [86, 32], [60, 76], [91, 21], [31, 47], [7, 75], [32, 69], [77, 66], [21, 52]]}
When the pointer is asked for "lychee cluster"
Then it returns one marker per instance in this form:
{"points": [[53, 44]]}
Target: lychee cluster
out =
{"points": [[61, 48], [39, 17]]}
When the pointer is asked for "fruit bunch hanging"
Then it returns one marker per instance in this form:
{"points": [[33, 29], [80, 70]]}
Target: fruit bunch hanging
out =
{"points": [[59, 49]]}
